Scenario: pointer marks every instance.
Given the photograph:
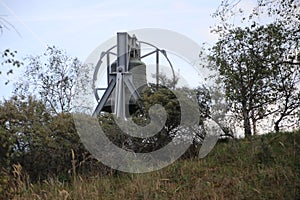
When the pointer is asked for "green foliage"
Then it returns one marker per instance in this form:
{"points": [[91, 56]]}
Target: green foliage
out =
{"points": [[255, 63], [234, 170], [166, 98], [42, 143], [241, 59], [151, 96]]}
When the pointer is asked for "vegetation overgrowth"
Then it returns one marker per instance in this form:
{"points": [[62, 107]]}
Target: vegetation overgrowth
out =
{"points": [[260, 167]]}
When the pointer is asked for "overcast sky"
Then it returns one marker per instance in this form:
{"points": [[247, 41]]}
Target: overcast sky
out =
{"points": [[79, 26]]}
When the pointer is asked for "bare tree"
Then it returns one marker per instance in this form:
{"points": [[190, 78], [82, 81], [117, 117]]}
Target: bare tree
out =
{"points": [[51, 77]]}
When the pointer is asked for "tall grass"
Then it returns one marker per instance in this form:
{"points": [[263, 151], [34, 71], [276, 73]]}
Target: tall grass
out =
{"points": [[262, 167]]}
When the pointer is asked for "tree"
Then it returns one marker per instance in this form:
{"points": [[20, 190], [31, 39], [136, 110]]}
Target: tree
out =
{"points": [[151, 96], [252, 61], [286, 11], [40, 142], [232, 13], [287, 85], [255, 73], [52, 78], [23, 123], [243, 70]]}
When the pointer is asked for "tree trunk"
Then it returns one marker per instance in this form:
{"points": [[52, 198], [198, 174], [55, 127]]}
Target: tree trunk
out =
{"points": [[247, 126], [277, 122], [254, 126], [253, 122], [276, 126]]}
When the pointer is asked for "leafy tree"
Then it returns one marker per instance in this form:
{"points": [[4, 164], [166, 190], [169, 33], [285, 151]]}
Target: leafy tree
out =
{"points": [[23, 123], [165, 97], [253, 63], [40, 142], [236, 59], [51, 77], [287, 85], [151, 96]]}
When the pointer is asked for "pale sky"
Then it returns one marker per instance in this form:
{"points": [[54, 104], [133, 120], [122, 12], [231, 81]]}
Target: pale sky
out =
{"points": [[79, 26]]}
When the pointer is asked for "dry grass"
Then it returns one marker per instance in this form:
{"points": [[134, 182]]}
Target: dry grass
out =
{"points": [[265, 167]]}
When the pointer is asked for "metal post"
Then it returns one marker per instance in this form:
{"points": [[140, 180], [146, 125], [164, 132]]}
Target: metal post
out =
{"points": [[122, 52], [120, 97], [122, 67]]}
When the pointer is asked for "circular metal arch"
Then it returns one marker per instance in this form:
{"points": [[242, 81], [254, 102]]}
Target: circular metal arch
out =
{"points": [[106, 53]]}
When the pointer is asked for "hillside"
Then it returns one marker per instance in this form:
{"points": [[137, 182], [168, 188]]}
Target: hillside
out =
{"points": [[262, 167]]}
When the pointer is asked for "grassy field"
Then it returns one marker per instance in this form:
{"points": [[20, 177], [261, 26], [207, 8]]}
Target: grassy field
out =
{"points": [[261, 167]]}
